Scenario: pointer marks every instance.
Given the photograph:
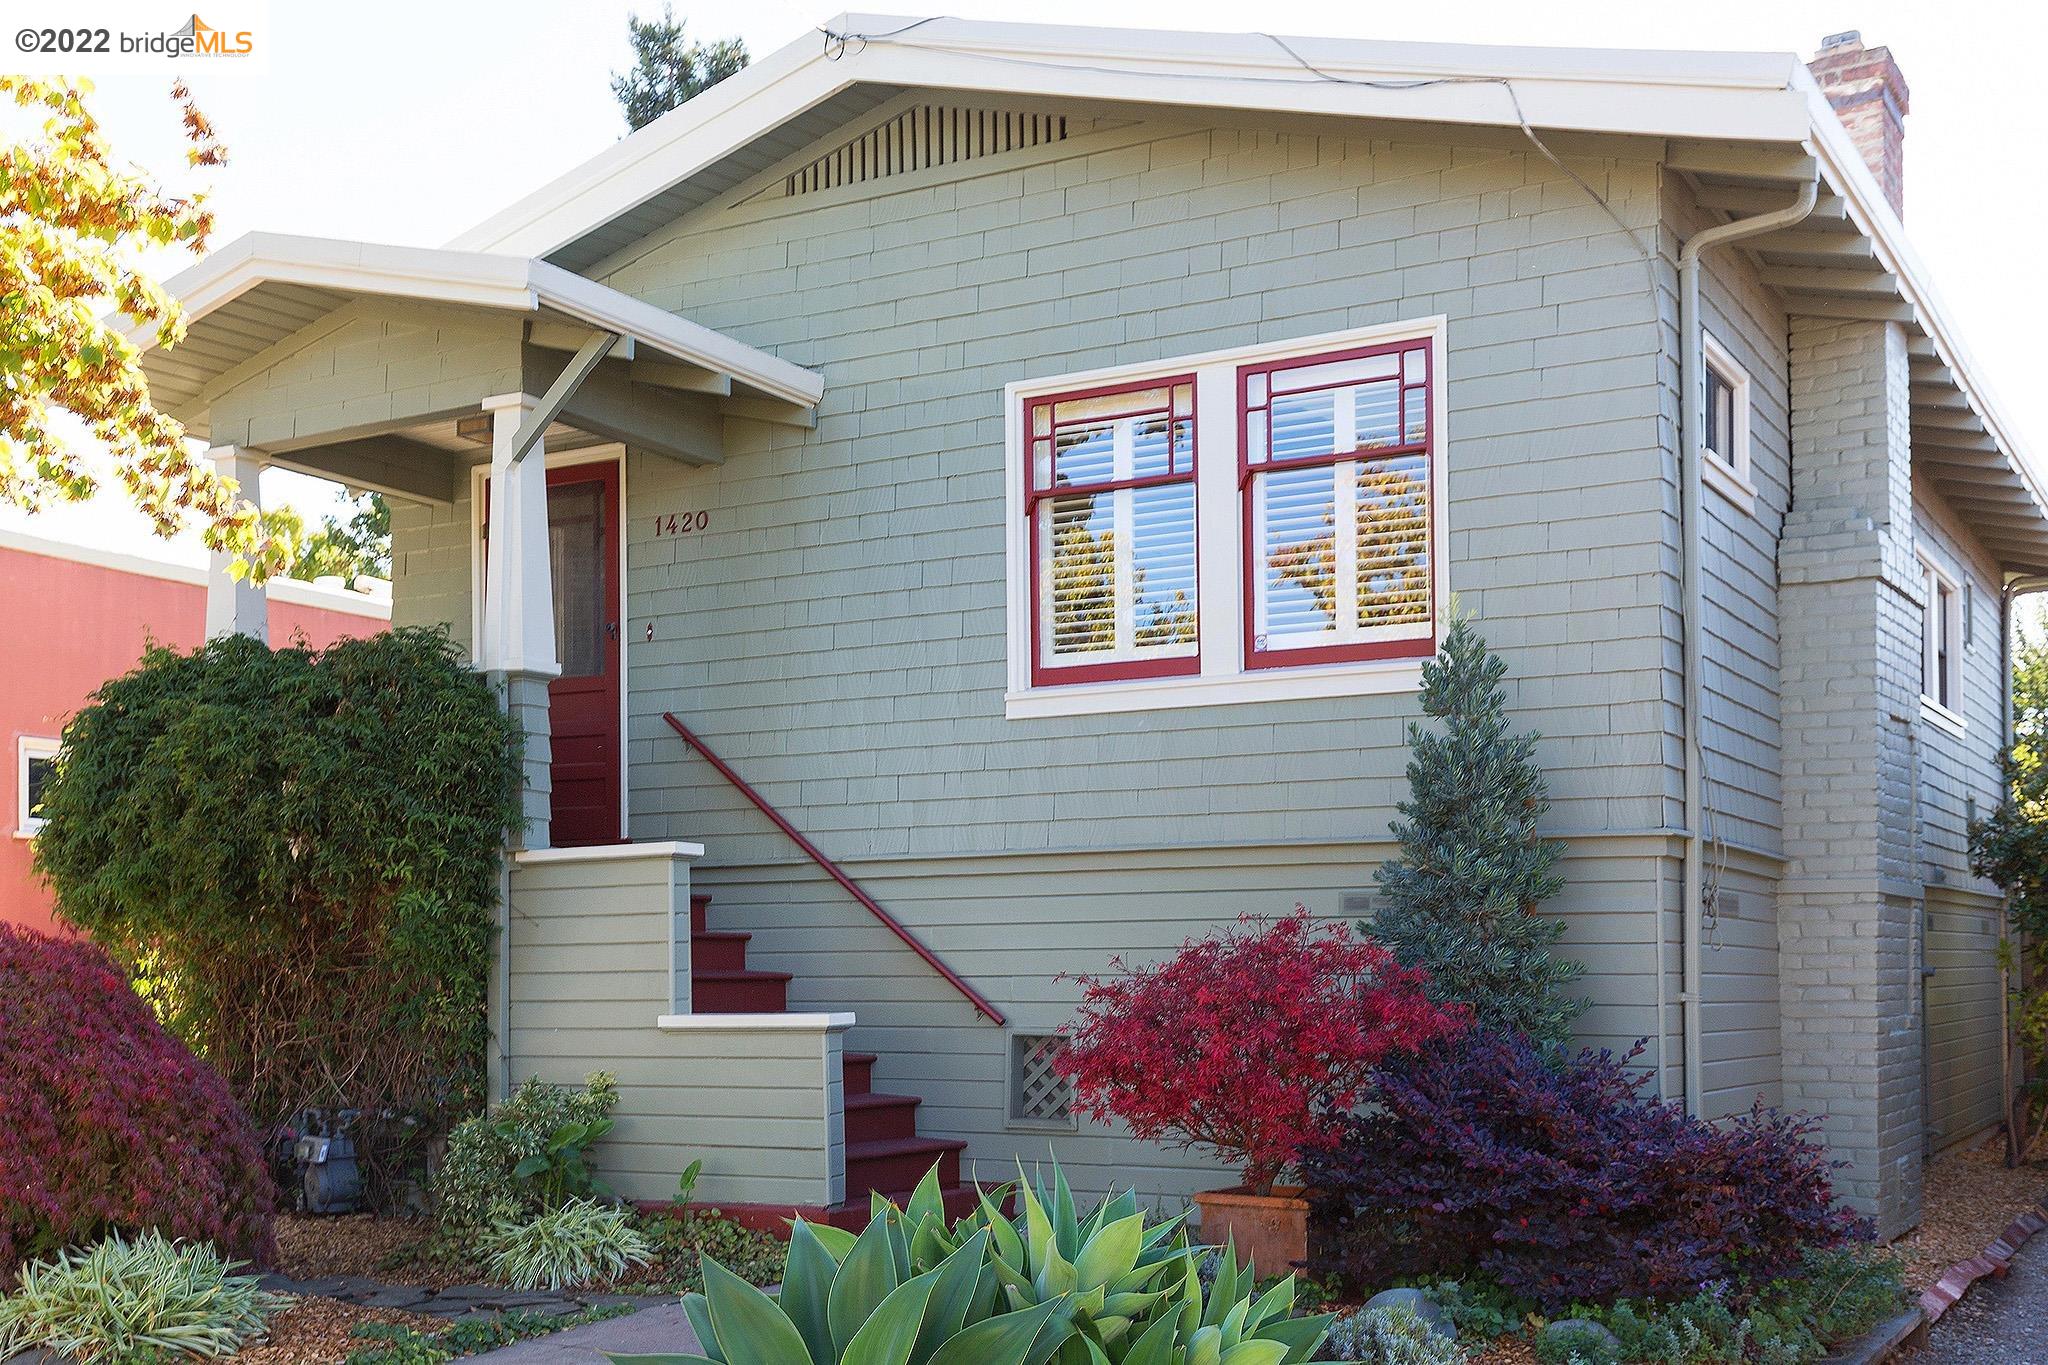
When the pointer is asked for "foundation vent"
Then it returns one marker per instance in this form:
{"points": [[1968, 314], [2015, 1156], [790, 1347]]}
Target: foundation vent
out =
{"points": [[928, 135], [1039, 1095]]}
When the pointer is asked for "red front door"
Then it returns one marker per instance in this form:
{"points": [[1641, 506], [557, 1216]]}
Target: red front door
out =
{"points": [[583, 704]]}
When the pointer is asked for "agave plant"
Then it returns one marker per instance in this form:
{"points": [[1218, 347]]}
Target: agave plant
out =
{"points": [[1137, 1295], [864, 1309], [1045, 1286]]}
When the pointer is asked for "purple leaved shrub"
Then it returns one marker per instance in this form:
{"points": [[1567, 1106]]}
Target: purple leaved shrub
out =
{"points": [[1563, 1179]]}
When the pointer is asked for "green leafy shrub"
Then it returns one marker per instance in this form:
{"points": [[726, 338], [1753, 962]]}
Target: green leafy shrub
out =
{"points": [[681, 1242], [297, 852], [1477, 1305], [1390, 1336], [578, 1243], [1833, 1296], [146, 1300], [524, 1156]]}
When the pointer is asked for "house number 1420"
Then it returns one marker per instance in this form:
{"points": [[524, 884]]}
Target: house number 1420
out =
{"points": [[681, 523]]}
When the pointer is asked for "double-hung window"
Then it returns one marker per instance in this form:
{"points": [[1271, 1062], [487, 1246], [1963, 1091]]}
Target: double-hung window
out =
{"points": [[1235, 526], [1112, 510], [1335, 483]]}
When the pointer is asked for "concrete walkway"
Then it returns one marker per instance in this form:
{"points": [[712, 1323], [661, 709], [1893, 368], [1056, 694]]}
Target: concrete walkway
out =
{"points": [[662, 1329], [1999, 1322]]}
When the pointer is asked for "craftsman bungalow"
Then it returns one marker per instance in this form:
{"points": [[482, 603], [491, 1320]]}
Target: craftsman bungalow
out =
{"points": [[959, 500]]}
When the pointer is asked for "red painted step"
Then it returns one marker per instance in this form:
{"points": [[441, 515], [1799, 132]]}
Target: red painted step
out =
{"points": [[723, 951], [741, 992], [899, 1163], [883, 1149], [874, 1118]]}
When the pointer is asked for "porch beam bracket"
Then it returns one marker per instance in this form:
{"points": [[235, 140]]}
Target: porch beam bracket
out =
{"points": [[544, 413]]}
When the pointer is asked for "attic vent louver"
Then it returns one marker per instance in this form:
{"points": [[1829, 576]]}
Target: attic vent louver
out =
{"points": [[929, 135]]}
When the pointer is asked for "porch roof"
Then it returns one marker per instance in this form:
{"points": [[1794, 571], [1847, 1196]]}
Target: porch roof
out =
{"points": [[263, 288]]}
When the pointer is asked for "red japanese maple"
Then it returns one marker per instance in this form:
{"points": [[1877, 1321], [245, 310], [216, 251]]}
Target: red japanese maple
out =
{"points": [[1247, 1041], [107, 1122]]}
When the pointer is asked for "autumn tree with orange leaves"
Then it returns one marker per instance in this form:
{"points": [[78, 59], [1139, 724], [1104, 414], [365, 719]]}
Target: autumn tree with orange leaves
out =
{"points": [[74, 224]]}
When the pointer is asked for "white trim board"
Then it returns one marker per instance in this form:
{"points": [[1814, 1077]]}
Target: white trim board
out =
{"points": [[296, 592], [754, 1023], [609, 853]]}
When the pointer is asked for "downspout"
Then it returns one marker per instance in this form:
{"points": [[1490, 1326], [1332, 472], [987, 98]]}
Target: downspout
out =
{"points": [[1691, 446]]}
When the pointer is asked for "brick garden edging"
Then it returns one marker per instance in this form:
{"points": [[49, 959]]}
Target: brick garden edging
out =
{"points": [[1995, 1259]]}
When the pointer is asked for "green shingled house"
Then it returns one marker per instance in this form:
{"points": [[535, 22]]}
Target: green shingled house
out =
{"points": [[960, 500]]}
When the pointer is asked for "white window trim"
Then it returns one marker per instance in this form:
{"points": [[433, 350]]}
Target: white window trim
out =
{"points": [[1949, 718], [1729, 472], [1223, 679], [26, 748]]}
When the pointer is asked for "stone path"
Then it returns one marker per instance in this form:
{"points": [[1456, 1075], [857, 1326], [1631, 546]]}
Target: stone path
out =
{"points": [[1999, 1322], [461, 1301], [651, 1331]]}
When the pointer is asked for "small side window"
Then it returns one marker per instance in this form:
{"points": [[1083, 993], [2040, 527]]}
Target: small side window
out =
{"points": [[1941, 641], [36, 760], [1724, 428]]}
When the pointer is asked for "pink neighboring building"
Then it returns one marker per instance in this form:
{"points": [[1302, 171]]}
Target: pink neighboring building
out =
{"points": [[77, 616]]}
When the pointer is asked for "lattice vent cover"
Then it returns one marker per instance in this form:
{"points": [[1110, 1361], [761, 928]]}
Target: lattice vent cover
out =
{"points": [[1039, 1094]]}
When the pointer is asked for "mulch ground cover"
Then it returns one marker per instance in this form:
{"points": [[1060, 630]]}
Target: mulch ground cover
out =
{"points": [[320, 1332], [1968, 1199]]}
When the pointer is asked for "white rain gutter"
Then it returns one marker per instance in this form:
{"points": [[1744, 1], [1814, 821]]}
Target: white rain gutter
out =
{"points": [[1691, 446]]}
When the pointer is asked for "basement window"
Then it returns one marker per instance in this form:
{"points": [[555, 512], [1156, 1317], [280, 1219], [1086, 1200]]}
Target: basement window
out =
{"points": [[1725, 436], [1941, 643]]}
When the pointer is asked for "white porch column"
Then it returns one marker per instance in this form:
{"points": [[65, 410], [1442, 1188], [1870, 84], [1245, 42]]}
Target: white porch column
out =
{"points": [[519, 609], [236, 606]]}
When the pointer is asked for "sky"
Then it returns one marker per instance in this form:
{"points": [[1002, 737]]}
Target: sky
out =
{"points": [[408, 122]]}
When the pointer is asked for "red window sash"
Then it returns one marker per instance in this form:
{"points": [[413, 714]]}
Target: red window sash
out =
{"points": [[1421, 646], [1170, 666]]}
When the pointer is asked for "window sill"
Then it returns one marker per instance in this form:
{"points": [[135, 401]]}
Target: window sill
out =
{"points": [[1725, 481], [1159, 694], [25, 834], [1942, 718]]}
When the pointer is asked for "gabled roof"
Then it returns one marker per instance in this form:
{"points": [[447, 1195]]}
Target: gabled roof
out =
{"points": [[263, 287], [1745, 127]]}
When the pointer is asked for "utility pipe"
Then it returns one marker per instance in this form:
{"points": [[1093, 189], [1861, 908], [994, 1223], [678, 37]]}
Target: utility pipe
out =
{"points": [[1691, 446]]}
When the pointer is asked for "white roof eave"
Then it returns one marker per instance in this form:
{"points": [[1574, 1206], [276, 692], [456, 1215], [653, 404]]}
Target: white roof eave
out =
{"points": [[475, 279], [1739, 96], [1842, 165]]}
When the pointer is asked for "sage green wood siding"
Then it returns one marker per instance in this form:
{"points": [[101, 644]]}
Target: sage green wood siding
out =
{"points": [[1740, 715], [837, 632], [590, 957]]}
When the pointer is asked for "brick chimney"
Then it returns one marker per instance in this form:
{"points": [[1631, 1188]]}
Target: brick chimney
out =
{"points": [[1869, 94]]}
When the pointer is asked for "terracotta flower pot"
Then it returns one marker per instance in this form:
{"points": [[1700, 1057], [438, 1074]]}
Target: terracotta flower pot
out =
{"points": [[1271, 1230]]}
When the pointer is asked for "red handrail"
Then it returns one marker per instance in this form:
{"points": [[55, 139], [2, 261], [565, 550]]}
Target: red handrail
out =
{"points": [[835, 872]]}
